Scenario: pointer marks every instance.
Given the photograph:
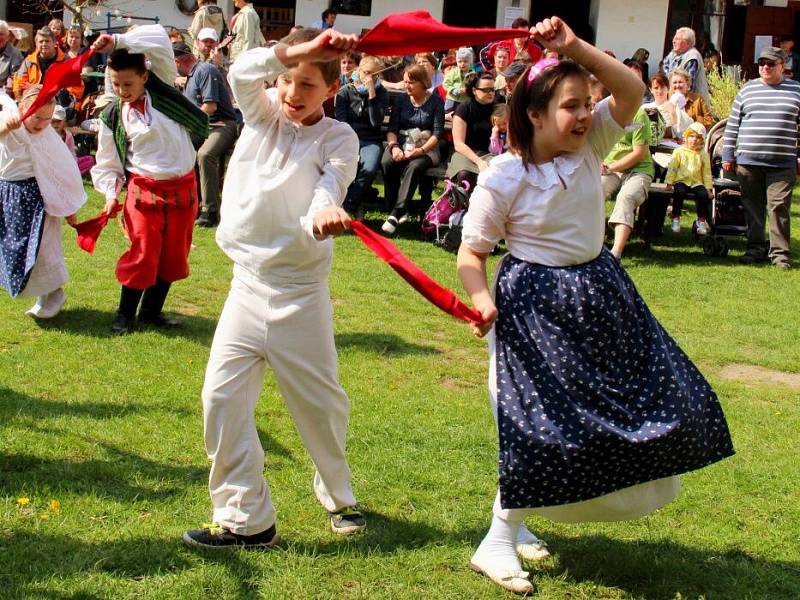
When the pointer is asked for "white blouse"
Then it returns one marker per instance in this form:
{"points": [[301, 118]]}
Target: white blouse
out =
{"points": [[550, 214], [279, 177]]}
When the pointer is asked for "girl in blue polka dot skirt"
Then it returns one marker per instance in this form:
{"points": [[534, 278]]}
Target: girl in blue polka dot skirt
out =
{"points": [[598, 410], [39, 184]]}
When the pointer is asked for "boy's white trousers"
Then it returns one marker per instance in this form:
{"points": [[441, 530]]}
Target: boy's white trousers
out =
{"points": [[290, 328]]}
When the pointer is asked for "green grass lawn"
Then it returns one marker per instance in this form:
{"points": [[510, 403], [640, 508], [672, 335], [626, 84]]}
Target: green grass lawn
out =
{"points": [[111, 429]]}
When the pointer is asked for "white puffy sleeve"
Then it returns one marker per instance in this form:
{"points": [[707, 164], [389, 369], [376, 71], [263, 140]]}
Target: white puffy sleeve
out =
{"points": [[340, 161], [153, 42], [247, 76], [485, 221]]}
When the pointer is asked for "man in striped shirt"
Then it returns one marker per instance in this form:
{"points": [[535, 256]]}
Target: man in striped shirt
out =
{"points": [[761, 143]]}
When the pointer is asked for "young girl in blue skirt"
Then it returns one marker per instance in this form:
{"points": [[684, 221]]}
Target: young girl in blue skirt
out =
{"points": [[598, 410]]}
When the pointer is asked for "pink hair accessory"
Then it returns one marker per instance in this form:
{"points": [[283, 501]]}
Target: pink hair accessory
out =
{"points": [[539, 68]]}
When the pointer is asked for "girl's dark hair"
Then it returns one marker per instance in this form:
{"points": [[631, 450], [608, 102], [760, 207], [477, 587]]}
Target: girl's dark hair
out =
{"points": [[660, 78], [473, 79], [330, 69], [535, 98], [122, 60]]}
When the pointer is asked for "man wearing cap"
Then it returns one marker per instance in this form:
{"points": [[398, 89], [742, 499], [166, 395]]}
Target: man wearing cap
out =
{"points": [[512, 75], [206, 46], [687, 57], [206, 87], [761, 144], [35, 65], [10, 57]]}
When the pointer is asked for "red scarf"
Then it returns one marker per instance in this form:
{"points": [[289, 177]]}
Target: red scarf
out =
{"points": [[59, 76]]}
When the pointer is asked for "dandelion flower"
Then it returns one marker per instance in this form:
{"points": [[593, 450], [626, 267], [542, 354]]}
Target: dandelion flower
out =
{"points": [[44, 516], [55, 505], [23, 501]]}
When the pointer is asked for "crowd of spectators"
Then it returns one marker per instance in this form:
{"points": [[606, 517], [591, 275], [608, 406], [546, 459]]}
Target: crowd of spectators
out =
{"points": [[416, 112]]}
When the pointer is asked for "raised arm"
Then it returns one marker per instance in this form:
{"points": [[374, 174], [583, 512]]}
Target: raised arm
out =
{"points": [[625, 86]]}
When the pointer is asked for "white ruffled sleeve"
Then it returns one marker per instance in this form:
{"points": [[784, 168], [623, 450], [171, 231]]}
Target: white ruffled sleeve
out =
{"points": [[247, 76], [57, 174], [485, 222]]}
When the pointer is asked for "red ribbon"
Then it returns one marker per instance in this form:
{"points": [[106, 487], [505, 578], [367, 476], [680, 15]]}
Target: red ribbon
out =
{"points": [[418, 31], [88, 231], [435, 293], [59, 76]]}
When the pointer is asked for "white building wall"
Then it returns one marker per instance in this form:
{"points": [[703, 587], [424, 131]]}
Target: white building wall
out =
{"points": [[308, 11], [624, 26], [165, 10]]}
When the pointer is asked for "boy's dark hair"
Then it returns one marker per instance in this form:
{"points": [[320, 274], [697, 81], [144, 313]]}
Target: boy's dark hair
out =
{"points": [[330, 69], [535, 97], [520, 22], [328, 12], [473, 79], [122, 60]]}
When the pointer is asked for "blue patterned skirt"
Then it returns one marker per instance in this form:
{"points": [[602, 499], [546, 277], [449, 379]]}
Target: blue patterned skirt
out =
{"points": [[21, 220], [593, 396]]}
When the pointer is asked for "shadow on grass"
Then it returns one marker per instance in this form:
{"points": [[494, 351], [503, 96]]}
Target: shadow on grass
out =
{"points": [[97, 323], [119, 474], [15, 405], [664, 569], [34, 557], [382, 344]]}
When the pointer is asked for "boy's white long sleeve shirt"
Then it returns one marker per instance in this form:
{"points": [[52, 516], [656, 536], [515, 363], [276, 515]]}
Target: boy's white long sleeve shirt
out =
{"points": [[280, 176], [158, 148]]}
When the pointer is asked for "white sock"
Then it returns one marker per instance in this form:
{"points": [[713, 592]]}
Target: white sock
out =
{"points": [[498, 550], [524, 536]]}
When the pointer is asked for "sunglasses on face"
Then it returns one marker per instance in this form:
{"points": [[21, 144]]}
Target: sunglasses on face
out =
{"points": [[487, 90], [766, 63]]}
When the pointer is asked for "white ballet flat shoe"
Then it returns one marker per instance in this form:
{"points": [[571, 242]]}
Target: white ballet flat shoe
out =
{"points": [[52, 306], [514, 581], [533, 550], [34, 310]]}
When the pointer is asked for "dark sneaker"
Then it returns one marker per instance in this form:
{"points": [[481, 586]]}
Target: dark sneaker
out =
{"points": [[207, 219], [160, 320], [347, 520], [219, 538], [122, 325], [751, 259]]}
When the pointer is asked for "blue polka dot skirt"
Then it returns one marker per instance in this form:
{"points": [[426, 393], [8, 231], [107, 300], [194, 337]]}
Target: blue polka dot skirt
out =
{"points": [[593, 396], [21, 221]]}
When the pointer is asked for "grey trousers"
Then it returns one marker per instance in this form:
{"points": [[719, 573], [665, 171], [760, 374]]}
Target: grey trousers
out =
{"points": [[767, 190], [220, 140]]}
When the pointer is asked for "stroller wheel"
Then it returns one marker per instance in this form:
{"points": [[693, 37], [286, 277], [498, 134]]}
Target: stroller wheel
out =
{"points": [[710, 245], [722, 246]]}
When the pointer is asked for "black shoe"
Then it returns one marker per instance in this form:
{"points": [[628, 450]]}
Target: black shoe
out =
{"points": [[347, 521], [122, 325], [219, 538], [752, 259], [158, 320], [207, 219]]}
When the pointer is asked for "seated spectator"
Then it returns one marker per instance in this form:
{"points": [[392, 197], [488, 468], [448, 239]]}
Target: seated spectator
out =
{"points": [[659, 90], [514, 46], [10, 57], [641, 56], [415, 127], [685, 56], [689, 170], [392, 71], [627, 173], [59, 123], [73, 42], [472, 130], [498, 142], [56, 26], [327, 19], [455, 79], [636, 67], [35, 65], [791, 57], [501, 61], [427, 61], [207, 88], [348, 66], [363, 107], [697, 109], [512, 75]]}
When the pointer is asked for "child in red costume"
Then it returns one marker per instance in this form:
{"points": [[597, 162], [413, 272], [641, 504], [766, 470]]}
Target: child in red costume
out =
{"points": [[144, 142]]}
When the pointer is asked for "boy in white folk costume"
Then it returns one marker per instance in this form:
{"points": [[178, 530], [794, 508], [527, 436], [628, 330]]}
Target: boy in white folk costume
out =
{"points": [[285, 184]]}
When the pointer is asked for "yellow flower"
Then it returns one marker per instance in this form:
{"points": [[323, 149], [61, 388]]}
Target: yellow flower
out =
{"points": [[44, 517], [55, 505], [23, 501]]}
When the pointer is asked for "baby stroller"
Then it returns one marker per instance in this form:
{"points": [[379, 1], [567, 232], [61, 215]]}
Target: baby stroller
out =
{"points": [[726, 217], [444, 216]]}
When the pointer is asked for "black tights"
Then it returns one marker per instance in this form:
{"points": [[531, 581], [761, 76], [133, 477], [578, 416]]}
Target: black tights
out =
{"points": [[701, 199]]}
